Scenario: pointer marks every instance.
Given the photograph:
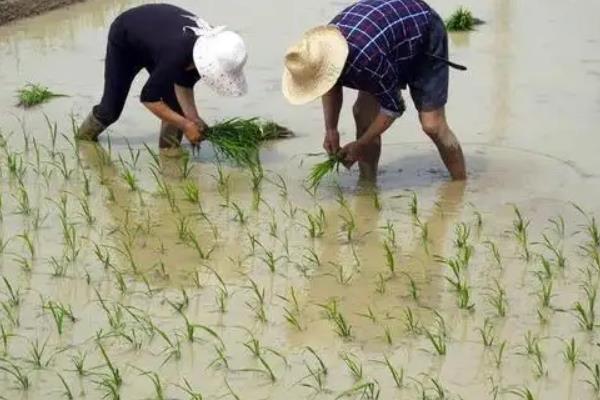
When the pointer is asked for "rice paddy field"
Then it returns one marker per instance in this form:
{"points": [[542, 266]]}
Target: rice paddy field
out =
{"points": [[126, 274]]}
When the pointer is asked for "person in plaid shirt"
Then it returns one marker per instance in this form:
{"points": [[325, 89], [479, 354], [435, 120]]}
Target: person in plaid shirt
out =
{"points": [[378, 47]]}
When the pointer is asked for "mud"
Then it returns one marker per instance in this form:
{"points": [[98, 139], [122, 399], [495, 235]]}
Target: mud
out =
{"points": [[11, 10]]}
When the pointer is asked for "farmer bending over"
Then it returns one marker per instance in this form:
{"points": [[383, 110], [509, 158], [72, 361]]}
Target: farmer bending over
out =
{"points": [[377, 47], [177, 48]]}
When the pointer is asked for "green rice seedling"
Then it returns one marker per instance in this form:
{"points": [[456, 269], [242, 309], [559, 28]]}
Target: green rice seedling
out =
{"points": [[13, 370], [521, 234], [367, 391], [340, 275], [259, 306], [594, 380], [531, 344], [29, 244], [322, 169], [556, 250], [78, 362], [231, 392], [487, 333], [281, 184], [397, 374], [389, 258], [461, 20], [10, 313], [4, 337], [293, 318], [111, 380], [53, 131], [187, 388], [497, 299], [545, 292], [114, 315], [591, 227], [423, 235], [33, 94], [354, 366], [546, 272], [192, 192], [37, 354], [270, 260], [68, 394], [370, 315], [186, 167], [86, 211], [349, 226], [23, 204], [14, 295], [498, 354], [315, 223], [558, 226], [412, 287], [437, 340], [240, 216], [16, 166], [522, 393], [538, 362], [571, 353], [463, 233], [60, 313], [62, 167], [390, 234], [495, 252], [173, 346], [317, 376], [586, 314], [24, 263], [130, 179], [388, 335], [411, 324]]}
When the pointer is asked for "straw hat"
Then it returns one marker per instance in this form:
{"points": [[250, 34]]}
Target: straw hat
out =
{"points": [[314, 65], [220, 59]]}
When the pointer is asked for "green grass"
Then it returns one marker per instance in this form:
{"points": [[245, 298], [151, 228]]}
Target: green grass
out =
{"points": [[461, 20], [33, 94]]}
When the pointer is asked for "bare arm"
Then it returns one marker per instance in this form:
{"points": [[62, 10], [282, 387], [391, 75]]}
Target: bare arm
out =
{"points": [[354, 151], [165, 113], [185, 97], [332, 105]]}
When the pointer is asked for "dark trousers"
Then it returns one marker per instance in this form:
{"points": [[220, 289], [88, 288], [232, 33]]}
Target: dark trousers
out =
{"points": [[120, 70]]}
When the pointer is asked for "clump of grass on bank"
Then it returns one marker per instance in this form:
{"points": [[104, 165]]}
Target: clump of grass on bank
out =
{"points": [[238, 139], [461, 20], [33, 94]]}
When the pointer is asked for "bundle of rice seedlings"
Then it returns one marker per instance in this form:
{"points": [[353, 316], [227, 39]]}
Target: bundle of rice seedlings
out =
{"points": [[34, 94], [322, 169], [238, 139], [461, 20]]}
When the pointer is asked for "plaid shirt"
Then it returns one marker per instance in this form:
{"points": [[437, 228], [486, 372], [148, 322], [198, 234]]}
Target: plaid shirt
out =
{"points": [[385, 37]]}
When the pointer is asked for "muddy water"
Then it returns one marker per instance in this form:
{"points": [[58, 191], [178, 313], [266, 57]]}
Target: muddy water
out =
{"points": [[526, 113]]}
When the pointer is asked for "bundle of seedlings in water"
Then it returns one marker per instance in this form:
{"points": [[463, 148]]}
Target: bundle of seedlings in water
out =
{"points": [[33, 94], [461, 20], [322, 169], [238, 139]]}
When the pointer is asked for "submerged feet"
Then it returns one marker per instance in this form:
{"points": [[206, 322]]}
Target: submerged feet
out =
{"points": [[90, 129]]}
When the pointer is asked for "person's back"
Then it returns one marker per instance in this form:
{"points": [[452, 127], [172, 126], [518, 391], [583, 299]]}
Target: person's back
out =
{"points": [[152, 31]]}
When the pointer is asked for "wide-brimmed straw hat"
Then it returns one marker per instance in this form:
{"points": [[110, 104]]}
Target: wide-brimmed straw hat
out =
{"points": [[314, 65], [220, 56]]}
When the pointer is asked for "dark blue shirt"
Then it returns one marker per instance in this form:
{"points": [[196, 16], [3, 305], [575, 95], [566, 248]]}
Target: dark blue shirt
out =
{"points": [[385, 39]]}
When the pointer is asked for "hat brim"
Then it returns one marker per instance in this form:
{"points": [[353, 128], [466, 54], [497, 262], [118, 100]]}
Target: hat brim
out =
{"points": [[335, 49], [229, 84]]}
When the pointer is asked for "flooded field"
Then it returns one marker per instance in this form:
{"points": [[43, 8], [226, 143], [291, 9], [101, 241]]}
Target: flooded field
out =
{"points": [[126, 274]]}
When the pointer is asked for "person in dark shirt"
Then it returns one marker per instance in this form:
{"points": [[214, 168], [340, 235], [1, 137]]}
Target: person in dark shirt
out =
{"points": [[377, 47], [177, 49]]}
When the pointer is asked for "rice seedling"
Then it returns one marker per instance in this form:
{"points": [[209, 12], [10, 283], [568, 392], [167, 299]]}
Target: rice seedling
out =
{"points": [[60, 314], [354, 366], [86, 211], [498, 354], [33, 94], [556, 250], [438, 341], [315, 223], [187, 388], [461, 20], [545, 292], [497, 299], [240, 216], [591, 227], [412, 287], [594, 379], [23, 204], [413, 205], [367, 391], [521, 234], [16, 167], [390, 234], [571, 352], [531, 344], [389, 258], [586, 314], [14, 295], [237, 140], [487, 333], [78, 362], [68, 394], [186, 167], [537, 359], [130, 179], [4, 337], [270, 260], [411, 324], [20, 377], [37, 354], [397, 374], [522, 393], [322, 169], [349, 226]]}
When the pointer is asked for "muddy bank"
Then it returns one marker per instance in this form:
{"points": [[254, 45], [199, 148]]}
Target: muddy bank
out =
{"points": [[15, 9]]}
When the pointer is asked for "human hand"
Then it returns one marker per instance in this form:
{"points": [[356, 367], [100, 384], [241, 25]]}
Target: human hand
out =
{"points": [[193, 132], [351, 153], [331, 143]]}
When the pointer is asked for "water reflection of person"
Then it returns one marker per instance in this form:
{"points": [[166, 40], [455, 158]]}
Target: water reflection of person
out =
{"points": [[360, 294]]}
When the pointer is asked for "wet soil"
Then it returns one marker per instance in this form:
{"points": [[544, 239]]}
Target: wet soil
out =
{"points": [[14, 9]]}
